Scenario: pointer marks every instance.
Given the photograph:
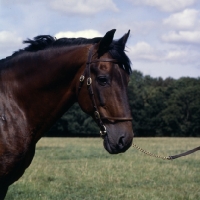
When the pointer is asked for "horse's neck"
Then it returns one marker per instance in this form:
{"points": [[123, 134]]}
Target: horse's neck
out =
{"points": [[43, 87]]}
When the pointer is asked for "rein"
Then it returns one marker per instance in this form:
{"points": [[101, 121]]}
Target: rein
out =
{"points": [[167, 157], [87, 73]]}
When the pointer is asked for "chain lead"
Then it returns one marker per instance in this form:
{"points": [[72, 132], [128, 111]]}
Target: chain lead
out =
{"points": [[151, 154]]}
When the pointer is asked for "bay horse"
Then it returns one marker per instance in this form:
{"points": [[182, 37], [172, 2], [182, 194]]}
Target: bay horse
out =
{"points": [[39, 83]]}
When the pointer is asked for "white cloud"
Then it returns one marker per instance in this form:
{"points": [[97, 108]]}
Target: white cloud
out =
{"points": [[186, 19], [171, 55], [185, 27], [9, 38], [166, 5], [13, 1], [166, 69], [85, 33], [143, 51], [182, 37], [83, 7], [183, 56], [9, 42]]}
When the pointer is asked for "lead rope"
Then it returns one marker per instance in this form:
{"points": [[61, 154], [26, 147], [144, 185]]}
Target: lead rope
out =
{"points": [[167, 157], [151, 154]]}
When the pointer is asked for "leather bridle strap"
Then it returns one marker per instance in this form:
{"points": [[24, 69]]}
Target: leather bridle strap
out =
{"points": [[117, 118], [91, 93], [87, 74], [104, 60]]}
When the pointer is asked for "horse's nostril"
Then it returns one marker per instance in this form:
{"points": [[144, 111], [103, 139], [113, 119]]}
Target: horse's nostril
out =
{"points": [[121, 142]]}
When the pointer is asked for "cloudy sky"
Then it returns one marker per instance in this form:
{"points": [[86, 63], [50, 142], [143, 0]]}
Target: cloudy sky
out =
{"points": [[164, 39]]}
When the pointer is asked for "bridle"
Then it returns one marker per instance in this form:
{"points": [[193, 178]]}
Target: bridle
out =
{"points": [[87, 75]]}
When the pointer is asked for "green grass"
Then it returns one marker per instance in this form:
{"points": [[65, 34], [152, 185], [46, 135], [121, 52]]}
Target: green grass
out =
{"points": [[80, 168]]}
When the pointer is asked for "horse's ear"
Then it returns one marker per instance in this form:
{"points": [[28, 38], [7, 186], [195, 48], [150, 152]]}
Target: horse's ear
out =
{"points": [[105, 42], [122, 41]]}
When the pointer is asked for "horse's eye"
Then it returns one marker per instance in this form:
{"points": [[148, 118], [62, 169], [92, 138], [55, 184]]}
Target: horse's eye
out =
{"points": [[102, 80]]}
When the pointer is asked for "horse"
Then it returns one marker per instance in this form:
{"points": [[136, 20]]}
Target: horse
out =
{"points": [[39, 83]]}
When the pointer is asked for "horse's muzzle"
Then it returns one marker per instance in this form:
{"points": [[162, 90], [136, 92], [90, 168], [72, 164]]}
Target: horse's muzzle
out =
{"points": [[121, 145]]}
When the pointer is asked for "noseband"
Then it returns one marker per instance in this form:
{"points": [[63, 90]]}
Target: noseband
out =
{"points": [[87, 74]]}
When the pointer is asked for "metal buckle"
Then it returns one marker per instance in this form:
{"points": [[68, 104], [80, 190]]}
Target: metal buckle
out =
{"points": [[97, 115], [103, 133], [89, 81], [82, 78]]}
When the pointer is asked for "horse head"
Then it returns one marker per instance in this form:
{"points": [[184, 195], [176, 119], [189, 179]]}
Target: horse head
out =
{"points": [[102, 91]]}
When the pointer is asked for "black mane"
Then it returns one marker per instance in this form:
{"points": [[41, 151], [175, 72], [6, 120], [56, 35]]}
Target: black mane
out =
{"points": [[42, 42], [45, 41]]}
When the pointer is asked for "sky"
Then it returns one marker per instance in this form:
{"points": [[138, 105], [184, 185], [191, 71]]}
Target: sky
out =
{"points": [[164, 39]]}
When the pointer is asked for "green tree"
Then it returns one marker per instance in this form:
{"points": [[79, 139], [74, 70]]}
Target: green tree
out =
{"points": [[74, 123]]}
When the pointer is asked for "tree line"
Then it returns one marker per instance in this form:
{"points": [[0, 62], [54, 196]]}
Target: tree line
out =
{"points": [[160, 107]]}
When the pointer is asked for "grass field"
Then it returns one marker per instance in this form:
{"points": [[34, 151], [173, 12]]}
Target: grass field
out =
{"points": [[80, 168]]}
